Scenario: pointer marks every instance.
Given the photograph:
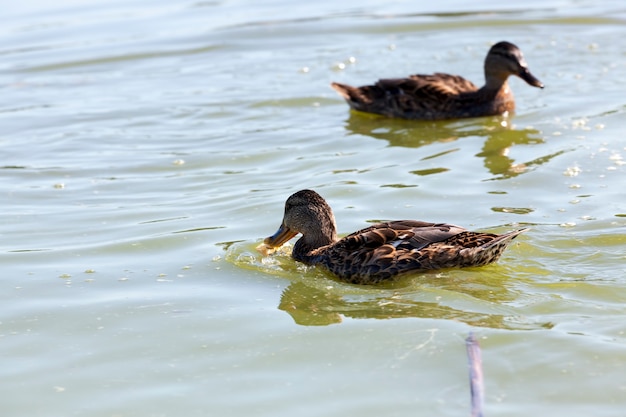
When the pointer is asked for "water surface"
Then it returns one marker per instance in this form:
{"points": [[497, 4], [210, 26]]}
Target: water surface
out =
{"points": [[148, 147]]}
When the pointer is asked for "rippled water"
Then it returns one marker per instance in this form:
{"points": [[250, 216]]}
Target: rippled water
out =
{"points": [[148, 147]]}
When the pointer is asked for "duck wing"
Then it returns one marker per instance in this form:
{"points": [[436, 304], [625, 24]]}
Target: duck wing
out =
{"points": [[400, 234], [437, 86], [383, 250], [418, 96]]}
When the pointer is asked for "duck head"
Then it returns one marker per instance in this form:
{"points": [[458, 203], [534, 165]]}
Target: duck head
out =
{"points": [[505, 59], [306, 212]]}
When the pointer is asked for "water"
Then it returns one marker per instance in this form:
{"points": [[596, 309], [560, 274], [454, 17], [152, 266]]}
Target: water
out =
{"points": [[148, 147]]}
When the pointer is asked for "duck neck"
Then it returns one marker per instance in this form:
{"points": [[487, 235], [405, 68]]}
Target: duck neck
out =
{"points": [[497, 93], [495, 84], [307, 247]]}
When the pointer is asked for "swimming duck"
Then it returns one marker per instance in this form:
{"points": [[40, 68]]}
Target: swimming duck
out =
{"points": [[383, 250], [443, 96]]}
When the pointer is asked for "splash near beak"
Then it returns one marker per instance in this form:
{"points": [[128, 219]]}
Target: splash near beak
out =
{"points": [[282, 235], [529, 78]]}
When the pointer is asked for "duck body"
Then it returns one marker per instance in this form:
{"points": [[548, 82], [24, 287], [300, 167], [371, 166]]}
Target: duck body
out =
{"points": [[384, 250], [443, 96]]}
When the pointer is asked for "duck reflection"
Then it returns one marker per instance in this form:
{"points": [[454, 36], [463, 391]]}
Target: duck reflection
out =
{"points": [[497, 131], [310, 306]]}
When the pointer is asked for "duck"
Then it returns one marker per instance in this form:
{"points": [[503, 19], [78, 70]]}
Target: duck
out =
{"points": [[381, 251], [441, 96]]}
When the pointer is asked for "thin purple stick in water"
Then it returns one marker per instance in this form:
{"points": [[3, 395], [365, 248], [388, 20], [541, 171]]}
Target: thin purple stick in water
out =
{"points": [[475, 363]]}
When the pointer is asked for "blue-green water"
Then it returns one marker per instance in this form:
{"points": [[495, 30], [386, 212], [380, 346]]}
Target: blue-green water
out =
{"points": [[148, 147]]}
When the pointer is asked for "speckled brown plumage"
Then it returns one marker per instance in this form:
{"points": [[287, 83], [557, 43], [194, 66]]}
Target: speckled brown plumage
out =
{"points": [[443, 96], [381, 251]]}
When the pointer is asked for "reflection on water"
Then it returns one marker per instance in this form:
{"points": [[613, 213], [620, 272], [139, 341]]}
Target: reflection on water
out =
{"points": [[310, 306], [497, 132], [495, 152], [314, 298]]}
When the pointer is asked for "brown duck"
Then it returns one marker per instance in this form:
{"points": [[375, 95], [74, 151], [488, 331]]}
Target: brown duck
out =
{"points": [[381, 251], [443, 96]]}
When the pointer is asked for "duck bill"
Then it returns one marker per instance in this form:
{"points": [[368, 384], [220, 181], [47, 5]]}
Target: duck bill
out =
{"points": [[529, 78], [282, 235]]}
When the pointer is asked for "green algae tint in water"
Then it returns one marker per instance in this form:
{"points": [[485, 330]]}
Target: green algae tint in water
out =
{"points": [[149, 147]]}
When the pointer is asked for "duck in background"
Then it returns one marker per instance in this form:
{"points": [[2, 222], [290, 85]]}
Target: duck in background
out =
{"points": [[443, 96]]}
